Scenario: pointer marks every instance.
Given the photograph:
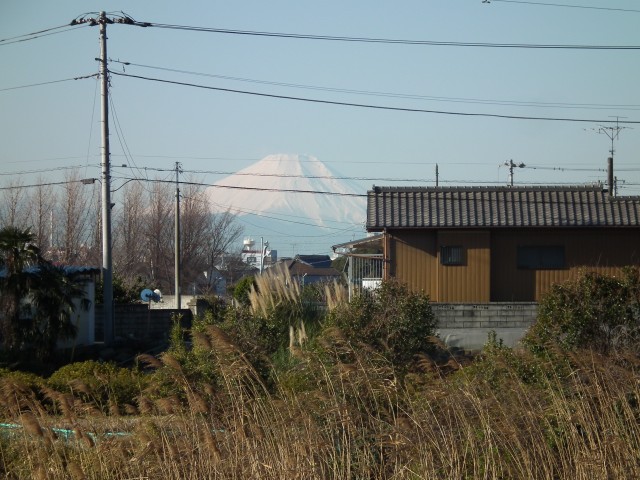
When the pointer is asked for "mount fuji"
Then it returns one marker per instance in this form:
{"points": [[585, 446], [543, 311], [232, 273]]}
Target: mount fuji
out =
{"points": [[294, 201]]}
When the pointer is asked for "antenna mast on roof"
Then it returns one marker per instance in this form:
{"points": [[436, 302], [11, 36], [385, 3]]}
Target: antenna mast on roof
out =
{"points": [[612, 132]]}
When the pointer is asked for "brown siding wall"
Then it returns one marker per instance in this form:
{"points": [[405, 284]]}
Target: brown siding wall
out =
{"points": [[490, 272], [415, 260], [413, 256], [469, 282], [602, 250]]}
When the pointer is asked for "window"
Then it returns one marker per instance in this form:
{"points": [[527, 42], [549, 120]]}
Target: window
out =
{"points": [[541, 257], [451, 255]]}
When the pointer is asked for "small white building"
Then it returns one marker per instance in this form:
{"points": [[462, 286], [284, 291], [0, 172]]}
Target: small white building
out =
{"points": [[252, 253]]}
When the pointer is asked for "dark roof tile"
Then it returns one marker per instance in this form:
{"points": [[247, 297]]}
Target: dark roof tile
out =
{"points": [[466, 207]]}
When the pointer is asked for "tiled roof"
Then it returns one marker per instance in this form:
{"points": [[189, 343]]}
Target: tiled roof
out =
{"points": [[470, 207], [317, 261], [299, 269]]}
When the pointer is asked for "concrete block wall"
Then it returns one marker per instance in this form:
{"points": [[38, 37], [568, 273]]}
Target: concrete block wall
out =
{"points": [[136, 321], [467, 325]]}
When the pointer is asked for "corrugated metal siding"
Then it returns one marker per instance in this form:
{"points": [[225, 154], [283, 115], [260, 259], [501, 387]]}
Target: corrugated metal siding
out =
{"points": [[413, 260], [469, 282], [603, 250]]}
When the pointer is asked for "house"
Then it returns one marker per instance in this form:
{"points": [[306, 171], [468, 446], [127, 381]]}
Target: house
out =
{"points": [[308, 269], [83, 315], [501, 244]]}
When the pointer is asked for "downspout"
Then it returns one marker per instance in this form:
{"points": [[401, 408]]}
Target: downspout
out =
{"points": [[386, 256]]}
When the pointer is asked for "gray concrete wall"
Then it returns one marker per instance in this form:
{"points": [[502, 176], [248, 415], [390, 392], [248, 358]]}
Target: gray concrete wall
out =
{"points": [[467, 325], [137, 321]]}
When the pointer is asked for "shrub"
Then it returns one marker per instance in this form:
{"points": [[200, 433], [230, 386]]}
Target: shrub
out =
{"points": [[242, 289], [593, 311], [98, 382], [393, 320]]}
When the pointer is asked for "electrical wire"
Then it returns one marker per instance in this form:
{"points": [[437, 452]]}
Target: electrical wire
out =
{"points": [[257, 189], [66, 182], [42, 33], [589, 106], [48, 83], [93, 113], [299, 36], [284, 175], [586, 7], [120, 134], [48, 170], [375, 107]]}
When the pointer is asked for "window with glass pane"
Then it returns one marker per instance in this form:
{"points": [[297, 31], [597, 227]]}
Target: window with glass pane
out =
{"points": [[541, 257], [451, 255]]}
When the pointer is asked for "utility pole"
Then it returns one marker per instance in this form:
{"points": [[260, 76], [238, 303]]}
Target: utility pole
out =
{"points": [[437, 175], [107, 263], [177, 239], [511, 166]]}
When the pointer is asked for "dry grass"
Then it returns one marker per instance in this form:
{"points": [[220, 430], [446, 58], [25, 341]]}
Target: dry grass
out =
{"points": [[334, 413], [357, 421]]}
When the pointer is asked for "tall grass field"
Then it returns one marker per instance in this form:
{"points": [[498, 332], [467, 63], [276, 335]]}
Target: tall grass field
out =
{"points": [[277, 390]]}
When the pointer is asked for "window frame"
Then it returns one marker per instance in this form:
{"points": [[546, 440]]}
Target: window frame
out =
{"points": [[541, 257], [452, 255]]}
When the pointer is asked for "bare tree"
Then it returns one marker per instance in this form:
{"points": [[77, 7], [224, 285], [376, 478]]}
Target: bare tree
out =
{"points": [[74, 221], [93, 252], [225, 231], [195, 226], [40, 203], [131, 252], [159, 235], [12, 208]]}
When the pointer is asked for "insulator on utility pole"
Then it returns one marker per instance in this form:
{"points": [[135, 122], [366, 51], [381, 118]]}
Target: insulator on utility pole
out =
{"points": [[511, 166]]}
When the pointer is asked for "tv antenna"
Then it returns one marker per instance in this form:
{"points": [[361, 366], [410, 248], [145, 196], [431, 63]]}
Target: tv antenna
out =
{"points": [[613, 132]]}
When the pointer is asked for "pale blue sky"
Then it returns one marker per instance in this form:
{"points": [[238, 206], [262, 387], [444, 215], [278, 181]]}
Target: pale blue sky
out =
{"points": [[48, 127]]}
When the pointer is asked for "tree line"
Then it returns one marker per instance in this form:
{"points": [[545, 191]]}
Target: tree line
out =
{"points": [[65, 222]]}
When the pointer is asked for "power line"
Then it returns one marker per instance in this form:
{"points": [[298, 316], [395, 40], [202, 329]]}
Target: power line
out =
{"points": [[42, 33], [284, 175], [258, 189], [590, 106], [286, 220], [299, 36], [375, 107], [66, 182], [55, 169], [120, 134], [566, 169], [48, 83], [543, 4]]}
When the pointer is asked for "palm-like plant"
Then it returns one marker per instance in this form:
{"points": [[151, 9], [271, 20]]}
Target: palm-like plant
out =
{"points": [[36, 296], [19, 259], [52, 308]]}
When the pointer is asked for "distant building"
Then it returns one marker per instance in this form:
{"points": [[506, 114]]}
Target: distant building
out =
{"points": [[309, 269], [251, 253]]}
